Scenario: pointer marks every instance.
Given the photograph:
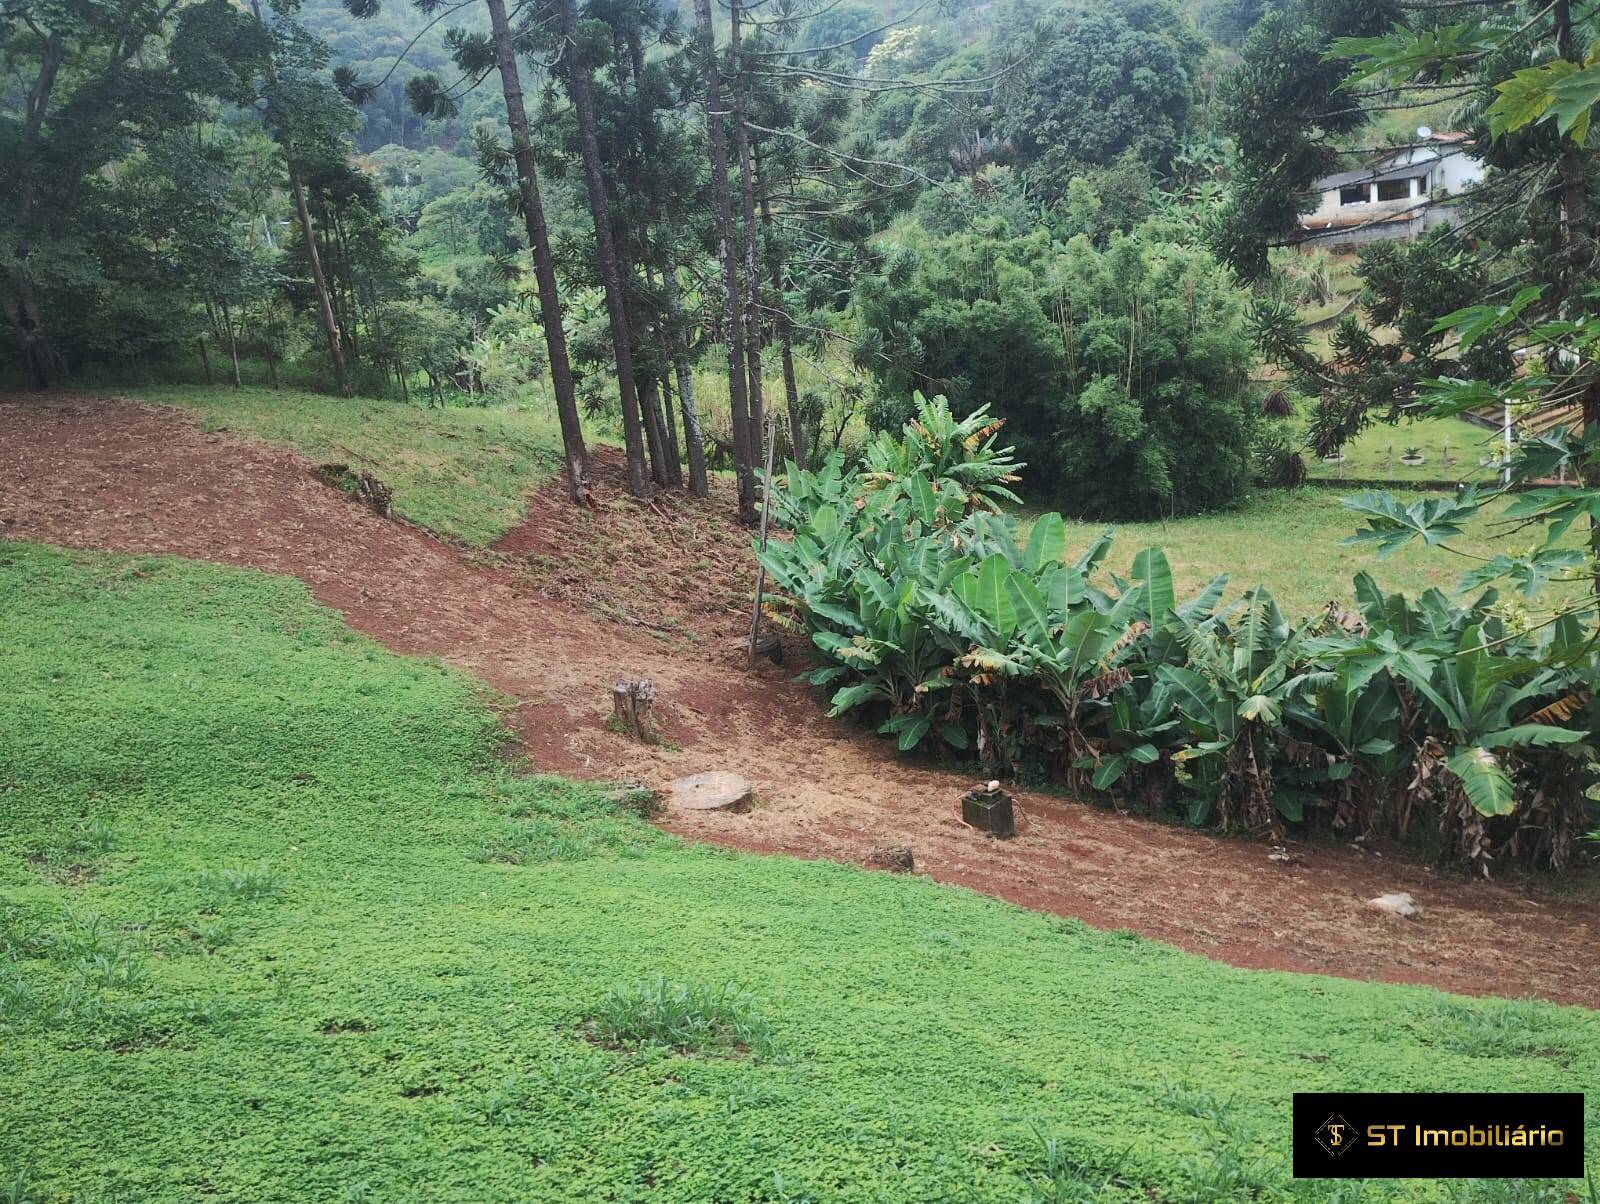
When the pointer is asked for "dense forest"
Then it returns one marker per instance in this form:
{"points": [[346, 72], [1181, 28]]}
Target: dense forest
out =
{"points": [[712, 228]]}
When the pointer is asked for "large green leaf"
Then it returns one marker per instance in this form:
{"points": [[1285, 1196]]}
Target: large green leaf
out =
{"points": [[1151, 570], [851, 696], [1193, 694], [1485, 780], [1536, 735], [955, 615], [993, 598], [1063, 589], [825, 522], [1032, 612], [1046, 543], [924, 502]]}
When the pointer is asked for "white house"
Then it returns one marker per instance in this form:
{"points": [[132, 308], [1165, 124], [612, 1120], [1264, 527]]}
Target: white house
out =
{"points": [[1398, 195]]}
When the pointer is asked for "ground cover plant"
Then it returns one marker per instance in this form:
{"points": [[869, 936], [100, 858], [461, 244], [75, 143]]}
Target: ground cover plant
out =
{"points": [[461, 471], [1388, 717], [291, 975]]}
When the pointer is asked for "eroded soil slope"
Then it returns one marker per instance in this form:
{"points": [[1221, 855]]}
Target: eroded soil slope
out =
{"points": [[572, 601]]}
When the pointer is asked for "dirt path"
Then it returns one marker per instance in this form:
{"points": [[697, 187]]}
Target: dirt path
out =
{"points": [[569, 603]]}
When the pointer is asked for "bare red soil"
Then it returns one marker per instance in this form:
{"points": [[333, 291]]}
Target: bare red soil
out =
{"points": [[572, 601]]}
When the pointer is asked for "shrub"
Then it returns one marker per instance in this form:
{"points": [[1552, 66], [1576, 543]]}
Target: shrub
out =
{"points": [[931, 623], [1121, 371]]}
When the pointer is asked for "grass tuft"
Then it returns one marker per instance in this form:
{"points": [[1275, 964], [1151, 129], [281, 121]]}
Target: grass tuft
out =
{"points": [[687, 1018]]}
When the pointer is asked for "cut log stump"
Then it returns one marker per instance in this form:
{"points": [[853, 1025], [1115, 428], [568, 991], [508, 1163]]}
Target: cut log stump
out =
{"points": [[632, 714], [897, 859], [714, 791], [990, 809]]}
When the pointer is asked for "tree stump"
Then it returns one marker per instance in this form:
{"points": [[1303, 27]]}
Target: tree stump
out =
{"points": [[631, 710], [897, 859], [990, 809]]}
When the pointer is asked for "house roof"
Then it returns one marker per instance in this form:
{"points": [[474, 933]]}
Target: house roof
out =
{"points": [[1371, 175], [1365, 175]]}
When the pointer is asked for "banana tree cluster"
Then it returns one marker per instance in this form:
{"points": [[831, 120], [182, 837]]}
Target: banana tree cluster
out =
{"points": [[1398, 718]]}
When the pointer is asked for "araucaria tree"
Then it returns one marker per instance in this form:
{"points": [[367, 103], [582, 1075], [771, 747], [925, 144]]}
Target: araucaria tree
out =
{"points": [[514, 169]]}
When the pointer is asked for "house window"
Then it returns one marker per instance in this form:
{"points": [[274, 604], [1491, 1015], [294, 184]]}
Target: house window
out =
{"points": [[1353, 194], [1394, 190]]}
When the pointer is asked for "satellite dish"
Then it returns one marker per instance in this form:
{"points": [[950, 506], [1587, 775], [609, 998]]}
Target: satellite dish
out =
{"points": [[1424, 133]]}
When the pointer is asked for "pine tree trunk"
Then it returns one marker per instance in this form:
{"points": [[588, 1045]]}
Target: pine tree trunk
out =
{"points": [[576, 74], [233, 344], [674, 455], [780, 320], [694, 443], [655, 437], [308, 235], [728, 259], [544, 271], [752, 275], [205, 360]]}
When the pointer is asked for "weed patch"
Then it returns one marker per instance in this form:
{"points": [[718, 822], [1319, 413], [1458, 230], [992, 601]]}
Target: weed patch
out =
{"points": [[686, 1018]]}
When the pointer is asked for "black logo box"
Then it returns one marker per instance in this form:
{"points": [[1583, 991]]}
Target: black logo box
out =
{"points": [[1396, 1135]]}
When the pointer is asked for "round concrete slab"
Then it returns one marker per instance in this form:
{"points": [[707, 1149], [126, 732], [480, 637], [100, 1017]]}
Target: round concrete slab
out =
{"points": [[714, 791]]}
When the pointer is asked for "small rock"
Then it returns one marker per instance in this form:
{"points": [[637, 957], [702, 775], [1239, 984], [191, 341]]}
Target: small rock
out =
{"points": [[897, 859], [714, 791], [1282, 856], [1397, 904]]}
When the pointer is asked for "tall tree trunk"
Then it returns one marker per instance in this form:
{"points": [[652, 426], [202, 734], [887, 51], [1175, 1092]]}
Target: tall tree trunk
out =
{"points": [[727, 257], [233, 344], [308, 235], [650, 407], [21, 304], [38, 357], [694, 442], [747, 205], [780, 321], [674, 455], [581, 93], [544, 270], [205, 360]]}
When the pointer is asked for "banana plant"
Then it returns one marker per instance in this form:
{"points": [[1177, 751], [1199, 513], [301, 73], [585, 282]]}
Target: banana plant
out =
{"points": [[1473, 699], [944, 464], [1231, 697]]}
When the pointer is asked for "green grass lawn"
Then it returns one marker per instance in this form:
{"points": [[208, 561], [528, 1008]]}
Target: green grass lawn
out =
{"points": [[1374, 455], [278, 922], [462, 472], [1287, 540]]}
